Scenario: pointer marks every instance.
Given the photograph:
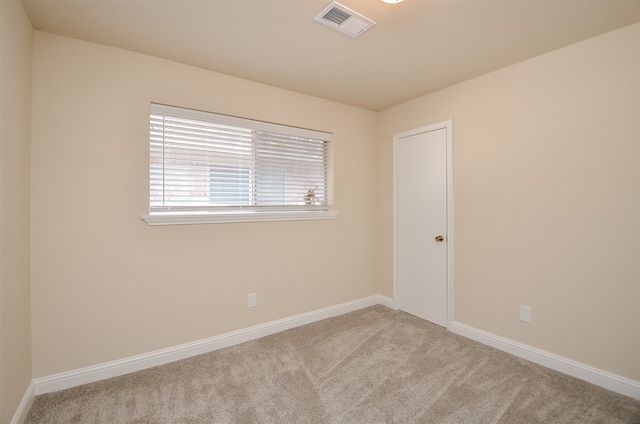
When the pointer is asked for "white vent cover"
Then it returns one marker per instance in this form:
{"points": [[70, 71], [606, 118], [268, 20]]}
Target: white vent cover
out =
{"points": [[344, 20]]}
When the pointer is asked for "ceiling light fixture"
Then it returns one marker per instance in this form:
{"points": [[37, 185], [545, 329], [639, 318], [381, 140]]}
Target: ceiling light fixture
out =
{"points": [[393, 1]]}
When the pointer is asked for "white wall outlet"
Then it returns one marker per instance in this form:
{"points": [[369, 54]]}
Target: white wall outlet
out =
{"points": [[525, 313], [252, 300]]}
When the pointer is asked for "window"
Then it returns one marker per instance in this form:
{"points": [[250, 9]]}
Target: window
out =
{"points": [[206, 167]]}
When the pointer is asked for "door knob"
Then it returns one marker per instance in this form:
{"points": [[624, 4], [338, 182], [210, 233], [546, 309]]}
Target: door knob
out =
{"points": [[439, 238]]}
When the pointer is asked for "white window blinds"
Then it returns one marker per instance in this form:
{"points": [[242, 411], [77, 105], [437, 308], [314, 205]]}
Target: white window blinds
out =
{"points": [[205, 162]]}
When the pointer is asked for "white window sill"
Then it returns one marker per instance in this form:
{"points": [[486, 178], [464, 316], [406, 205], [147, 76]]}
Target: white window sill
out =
{"points": [[219, 218]]}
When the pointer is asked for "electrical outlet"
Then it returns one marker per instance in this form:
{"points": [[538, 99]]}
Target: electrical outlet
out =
{"points": [[525, 313], [252, 300]]}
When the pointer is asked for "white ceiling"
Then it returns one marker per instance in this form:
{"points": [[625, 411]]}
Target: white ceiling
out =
{"points": [[416, 47]]}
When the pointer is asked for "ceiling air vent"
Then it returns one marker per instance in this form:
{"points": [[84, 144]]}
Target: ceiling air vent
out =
{"points": [[344, 20]]}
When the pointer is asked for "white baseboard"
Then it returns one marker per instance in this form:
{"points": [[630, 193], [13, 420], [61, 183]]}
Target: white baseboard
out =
{"points": [[386, 301], [95, 373], [23, 409], [584, 372]]}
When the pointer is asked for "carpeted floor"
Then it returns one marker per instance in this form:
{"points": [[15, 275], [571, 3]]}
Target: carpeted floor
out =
{"points": [[375, 365]]}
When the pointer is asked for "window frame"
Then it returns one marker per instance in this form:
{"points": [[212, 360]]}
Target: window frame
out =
{"points": [[166, 215]]}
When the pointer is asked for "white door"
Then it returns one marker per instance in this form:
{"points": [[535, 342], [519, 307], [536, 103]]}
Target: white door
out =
{"points": [[421, 221]]}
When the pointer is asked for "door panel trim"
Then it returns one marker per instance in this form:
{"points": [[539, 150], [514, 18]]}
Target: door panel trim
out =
{"points": [[448, 126]]}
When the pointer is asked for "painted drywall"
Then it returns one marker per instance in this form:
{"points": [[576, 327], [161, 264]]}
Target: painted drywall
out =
{"points": [[106, 285], [15, 133], [546, 173]]}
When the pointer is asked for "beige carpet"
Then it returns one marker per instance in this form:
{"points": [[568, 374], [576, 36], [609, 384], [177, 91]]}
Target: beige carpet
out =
{"points": [[375, 365]]}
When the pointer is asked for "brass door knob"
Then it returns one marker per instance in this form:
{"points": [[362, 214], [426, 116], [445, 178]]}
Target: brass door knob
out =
{"points": [[439, 238]]}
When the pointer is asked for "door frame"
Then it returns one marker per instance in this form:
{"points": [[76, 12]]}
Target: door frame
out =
{"points": [[448, 126]]}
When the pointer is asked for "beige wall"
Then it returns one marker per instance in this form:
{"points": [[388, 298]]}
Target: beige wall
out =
{"points": [[15, 103], [106, 285], [546, 194]]}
